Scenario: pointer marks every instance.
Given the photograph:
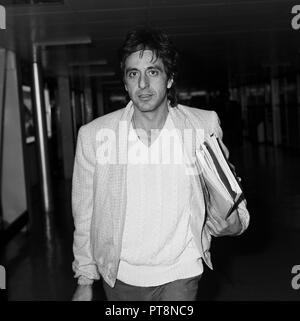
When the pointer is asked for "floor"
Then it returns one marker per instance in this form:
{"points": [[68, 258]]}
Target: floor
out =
{"points": [[255, 266]]}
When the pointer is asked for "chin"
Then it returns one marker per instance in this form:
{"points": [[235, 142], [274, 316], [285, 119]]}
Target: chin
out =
{"points": [[147, 106]]}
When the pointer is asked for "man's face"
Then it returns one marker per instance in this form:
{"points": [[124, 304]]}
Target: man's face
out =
{"points": [[146, 81]]}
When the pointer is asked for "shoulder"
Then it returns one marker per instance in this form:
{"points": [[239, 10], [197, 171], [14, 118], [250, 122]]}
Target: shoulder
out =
{"points": [[205, 118], [108, 121]]}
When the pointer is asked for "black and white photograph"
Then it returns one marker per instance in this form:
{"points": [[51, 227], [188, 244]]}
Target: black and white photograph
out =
{"points": [[150, 151]]}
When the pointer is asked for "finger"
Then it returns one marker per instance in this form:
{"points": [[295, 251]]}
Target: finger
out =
{"points": [[212, 229], [219, 222], [233, 217], [218, 226], [214, 215], [216, 223]]}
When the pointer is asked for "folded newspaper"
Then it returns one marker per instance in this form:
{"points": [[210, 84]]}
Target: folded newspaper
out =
{"points": [[221, 187]]}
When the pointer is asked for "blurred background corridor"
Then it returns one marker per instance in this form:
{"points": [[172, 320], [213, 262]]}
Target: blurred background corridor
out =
{"points": [[59, 70]]}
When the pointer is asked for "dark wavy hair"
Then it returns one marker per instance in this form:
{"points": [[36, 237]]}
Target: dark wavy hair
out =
{"points": [[159, 43]]}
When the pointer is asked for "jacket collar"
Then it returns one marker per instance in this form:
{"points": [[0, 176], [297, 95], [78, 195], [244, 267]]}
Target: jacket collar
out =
{"points": [[177, 114]]}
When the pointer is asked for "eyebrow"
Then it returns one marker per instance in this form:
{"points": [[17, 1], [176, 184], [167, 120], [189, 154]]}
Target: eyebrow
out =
{"points": [[127, 70], [156, 66]]}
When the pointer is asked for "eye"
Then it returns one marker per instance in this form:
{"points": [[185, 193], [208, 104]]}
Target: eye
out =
{"points": [[132, 74], [153, 72]]}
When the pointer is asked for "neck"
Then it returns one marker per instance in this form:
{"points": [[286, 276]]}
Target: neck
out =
{"points": [[150, 120]]}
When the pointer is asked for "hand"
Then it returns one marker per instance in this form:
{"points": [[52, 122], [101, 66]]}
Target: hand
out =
{"points": [[218, 226], [83, 293]]}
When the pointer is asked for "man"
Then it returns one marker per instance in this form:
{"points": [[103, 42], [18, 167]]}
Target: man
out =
{"points": [[140, 217]]}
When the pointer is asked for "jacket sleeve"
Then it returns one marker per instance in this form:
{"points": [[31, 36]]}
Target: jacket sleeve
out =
{"points": [[82, 207], [242, 207]]}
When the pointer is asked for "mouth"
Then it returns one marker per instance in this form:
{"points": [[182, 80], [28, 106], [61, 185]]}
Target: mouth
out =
{"points": [[145, 97]]}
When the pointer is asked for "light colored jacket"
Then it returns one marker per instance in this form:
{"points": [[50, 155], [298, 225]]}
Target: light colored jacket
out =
{"points": [[99, 192]]}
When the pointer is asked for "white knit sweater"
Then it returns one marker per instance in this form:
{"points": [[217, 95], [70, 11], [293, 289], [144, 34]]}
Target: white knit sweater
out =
{"points": [[157, 245]]}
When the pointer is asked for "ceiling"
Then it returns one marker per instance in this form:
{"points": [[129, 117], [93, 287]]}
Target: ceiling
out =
{"points": [[219, 40]]}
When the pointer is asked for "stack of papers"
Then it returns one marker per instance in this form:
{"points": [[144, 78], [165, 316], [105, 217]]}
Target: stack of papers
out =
{"points": [[221, 187]]}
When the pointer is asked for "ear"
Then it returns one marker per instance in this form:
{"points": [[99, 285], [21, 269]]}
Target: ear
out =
{"points": [[170, 83], [125, 87]]}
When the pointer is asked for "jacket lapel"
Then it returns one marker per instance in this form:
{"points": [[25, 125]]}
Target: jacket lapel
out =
{"points": [[118, 174], [192, 137]]}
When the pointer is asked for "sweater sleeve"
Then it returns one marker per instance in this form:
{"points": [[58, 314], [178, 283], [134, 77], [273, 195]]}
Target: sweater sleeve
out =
{"points": [[82, 207], [242, 207]]}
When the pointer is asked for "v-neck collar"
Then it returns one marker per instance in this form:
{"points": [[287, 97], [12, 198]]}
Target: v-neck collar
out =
{"points": [[153, 141]]}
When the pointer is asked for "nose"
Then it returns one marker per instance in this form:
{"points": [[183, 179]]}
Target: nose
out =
{"points": [[143, 81]]}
